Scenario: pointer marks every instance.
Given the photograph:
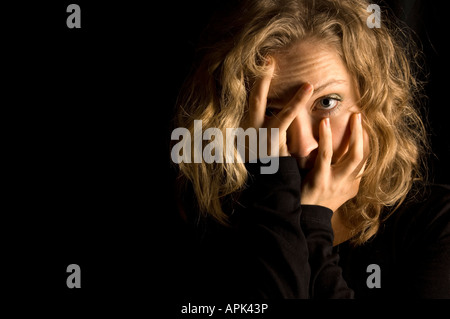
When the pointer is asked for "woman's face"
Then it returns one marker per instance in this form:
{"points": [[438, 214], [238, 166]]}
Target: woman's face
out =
{"points": [[335, 96]]}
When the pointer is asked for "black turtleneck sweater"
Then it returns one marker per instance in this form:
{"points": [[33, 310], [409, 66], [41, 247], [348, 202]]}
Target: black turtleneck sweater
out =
{"points": [[276, 248]]}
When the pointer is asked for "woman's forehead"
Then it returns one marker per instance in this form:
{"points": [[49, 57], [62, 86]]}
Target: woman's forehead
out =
{"points": [[311, 62]]}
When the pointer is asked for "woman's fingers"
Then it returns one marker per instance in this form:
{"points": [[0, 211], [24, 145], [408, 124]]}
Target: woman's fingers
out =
{"points": [[331, 185], [290, 111], [353, 161], [258, 98], [360, 169], [322, 164]]}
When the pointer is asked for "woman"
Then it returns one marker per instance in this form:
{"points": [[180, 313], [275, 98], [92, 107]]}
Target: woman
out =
{"points": [[347, 214]]}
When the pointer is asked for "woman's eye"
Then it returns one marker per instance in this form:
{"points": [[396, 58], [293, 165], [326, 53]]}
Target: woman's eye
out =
{"points": [[328, 103]]}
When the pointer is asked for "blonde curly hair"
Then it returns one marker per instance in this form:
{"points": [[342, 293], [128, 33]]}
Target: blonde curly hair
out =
{"points": [[383, 62]]}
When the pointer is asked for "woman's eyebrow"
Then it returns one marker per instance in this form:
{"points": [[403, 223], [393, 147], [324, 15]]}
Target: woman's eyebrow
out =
{"points": [[281, 95], [284, 91], [325, 85]]}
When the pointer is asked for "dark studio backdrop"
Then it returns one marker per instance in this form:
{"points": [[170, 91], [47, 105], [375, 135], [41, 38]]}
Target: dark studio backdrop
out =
{"points": [[90, 130]]}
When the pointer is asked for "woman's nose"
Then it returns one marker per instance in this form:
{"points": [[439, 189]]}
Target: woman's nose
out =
{"points": [[301, 137]]}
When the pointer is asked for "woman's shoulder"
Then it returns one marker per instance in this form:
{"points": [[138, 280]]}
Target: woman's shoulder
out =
{"points": [[411, 248], [424, 215], [429, 201]]}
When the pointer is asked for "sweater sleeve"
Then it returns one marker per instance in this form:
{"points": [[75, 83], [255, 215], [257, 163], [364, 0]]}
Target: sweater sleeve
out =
{"points": [[326, 276], [266, 253], [297, 255], [269, 226]]}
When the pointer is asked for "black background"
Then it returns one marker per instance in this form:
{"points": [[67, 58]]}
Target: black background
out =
{"points": [[87, 126]]}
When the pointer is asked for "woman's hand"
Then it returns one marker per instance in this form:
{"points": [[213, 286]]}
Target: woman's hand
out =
{"points": [[331, 185], [328, 185], [283, 119]]}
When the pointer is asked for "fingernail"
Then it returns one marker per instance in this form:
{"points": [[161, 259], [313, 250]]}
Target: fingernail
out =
{"points": [[307, 87], [359, 117], [327, 122]]}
